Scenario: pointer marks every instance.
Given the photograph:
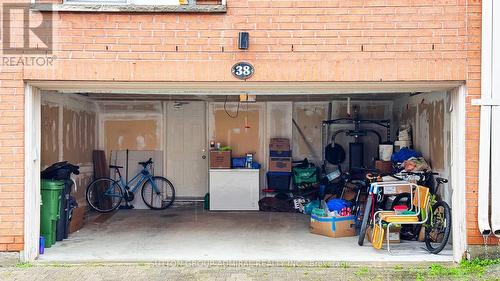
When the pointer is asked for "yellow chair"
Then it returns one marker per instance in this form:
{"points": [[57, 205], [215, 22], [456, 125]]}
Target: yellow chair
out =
{"points": [[419, 215]]}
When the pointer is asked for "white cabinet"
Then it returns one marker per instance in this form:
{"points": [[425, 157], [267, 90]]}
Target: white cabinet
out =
{"points": [[234, 189]]}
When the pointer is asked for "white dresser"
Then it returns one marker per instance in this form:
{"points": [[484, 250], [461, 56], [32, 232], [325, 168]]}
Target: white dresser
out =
{"points": [[234, 190]]}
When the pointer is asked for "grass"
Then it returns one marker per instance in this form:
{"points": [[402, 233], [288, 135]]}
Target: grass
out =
{"points": [[475, 267], [24, 265], [398, 267], [362, 271]]}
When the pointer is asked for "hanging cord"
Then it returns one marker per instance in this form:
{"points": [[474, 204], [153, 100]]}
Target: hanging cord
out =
{"points": [[237, 109]]}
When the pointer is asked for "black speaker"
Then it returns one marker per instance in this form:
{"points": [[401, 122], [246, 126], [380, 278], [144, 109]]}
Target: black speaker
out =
{"points": [[243, 40]]}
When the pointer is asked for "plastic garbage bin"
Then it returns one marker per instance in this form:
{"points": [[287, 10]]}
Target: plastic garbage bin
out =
{"points": [[61, 171], [62, 228], [49, 211]]}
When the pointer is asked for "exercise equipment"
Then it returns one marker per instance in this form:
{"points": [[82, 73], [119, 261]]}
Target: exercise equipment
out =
{"points": [[333, 152]]}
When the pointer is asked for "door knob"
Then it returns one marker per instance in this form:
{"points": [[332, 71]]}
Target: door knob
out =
{"points": [[204, 157]]}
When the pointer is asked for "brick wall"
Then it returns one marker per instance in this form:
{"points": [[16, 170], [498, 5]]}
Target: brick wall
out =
{"points": [[333, 40], [305, 40], [11, 159]]}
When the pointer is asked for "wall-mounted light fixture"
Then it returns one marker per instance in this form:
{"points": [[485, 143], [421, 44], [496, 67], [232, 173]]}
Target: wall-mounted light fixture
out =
{"points": [[243, 40]]}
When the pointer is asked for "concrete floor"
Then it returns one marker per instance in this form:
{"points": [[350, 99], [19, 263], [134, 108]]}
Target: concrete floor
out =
{"points": [[190, 233]]}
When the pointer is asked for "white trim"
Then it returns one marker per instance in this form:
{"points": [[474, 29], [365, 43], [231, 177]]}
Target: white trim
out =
{"points": [[495, 120], [486, 102], [258, 88], [32, 196], [485, 126], [164, 143], [459, 229]]}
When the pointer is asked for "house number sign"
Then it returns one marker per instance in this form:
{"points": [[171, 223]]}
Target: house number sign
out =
{"points": [[242, 70]]}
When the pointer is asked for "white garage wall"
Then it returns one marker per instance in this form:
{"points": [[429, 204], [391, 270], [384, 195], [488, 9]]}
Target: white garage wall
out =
{"points": [[429, 116]]}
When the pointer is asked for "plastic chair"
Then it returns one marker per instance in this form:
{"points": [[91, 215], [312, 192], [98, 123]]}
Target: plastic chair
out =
{"points": [[418, 215]]}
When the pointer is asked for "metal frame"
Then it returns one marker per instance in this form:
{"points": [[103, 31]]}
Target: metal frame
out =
{"points": [[417, 207], [357, 122]]}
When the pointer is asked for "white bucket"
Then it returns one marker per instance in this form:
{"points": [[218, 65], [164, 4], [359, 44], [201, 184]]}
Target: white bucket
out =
{"points": [[385, 151]]}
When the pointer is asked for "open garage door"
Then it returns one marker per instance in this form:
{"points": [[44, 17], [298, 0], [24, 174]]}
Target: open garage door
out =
{"points": [[187, 230]]}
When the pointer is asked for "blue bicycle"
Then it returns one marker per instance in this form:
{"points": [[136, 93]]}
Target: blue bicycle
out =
{"points": [[106, 194]]}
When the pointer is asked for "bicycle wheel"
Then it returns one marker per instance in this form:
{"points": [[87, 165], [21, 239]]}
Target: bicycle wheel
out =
{"points": [[159, 197], [104, 195], [364, 224], [438, 230]]}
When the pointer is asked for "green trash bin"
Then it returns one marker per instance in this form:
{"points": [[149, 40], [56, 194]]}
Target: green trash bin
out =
{"points": [[49, 211]]}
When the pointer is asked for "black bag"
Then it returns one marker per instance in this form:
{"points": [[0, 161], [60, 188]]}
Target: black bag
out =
{"points": [[60, 171], [272, 204]]}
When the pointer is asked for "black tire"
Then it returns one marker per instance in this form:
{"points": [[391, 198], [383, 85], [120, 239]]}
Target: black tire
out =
{"points": [[101, 198], [364, 224], [438, 230], [402, 199], [158, 200]]}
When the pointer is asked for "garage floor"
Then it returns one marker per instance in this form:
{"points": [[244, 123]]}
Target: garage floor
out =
{"points": [[190, 233]]}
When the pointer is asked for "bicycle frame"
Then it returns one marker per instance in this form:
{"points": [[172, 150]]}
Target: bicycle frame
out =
{"points": [[143, 176], [432, 200]]}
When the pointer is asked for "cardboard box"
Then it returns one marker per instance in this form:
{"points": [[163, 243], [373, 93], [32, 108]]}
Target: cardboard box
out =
{"points": [[385, 167], [220, 159], [396, 189], [394, 235], [280, 164], [77, 219], [280, 153], [333, 226], [279, 144]]}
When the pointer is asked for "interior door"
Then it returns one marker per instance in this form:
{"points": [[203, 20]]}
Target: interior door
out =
{"points": [[187, 160]]}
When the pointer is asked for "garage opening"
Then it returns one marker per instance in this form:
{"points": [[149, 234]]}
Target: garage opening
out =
{"points": [[228, 155]]}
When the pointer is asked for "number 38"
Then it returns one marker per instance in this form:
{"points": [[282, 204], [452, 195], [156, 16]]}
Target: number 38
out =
{"points": [[243, 70]]}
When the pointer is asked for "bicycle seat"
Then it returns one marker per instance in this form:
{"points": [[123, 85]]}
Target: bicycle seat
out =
{"points": [[115, 167], [441, 180], [150, 161]]}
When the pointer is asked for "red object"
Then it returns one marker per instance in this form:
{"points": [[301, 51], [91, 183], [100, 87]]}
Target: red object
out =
{"points": [[400, 208], [268, 190]]}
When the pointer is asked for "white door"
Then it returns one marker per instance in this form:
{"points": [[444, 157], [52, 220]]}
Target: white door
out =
{"points": [[187, 160]]}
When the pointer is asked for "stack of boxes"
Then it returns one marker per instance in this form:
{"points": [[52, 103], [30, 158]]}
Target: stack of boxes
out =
{"points": [[280, 165]]}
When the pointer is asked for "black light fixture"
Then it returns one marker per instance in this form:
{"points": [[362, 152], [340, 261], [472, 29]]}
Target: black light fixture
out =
{"points": [[243, 40]]}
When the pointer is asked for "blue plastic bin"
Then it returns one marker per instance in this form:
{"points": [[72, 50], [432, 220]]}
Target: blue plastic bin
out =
{"points": [[279, 181]]}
